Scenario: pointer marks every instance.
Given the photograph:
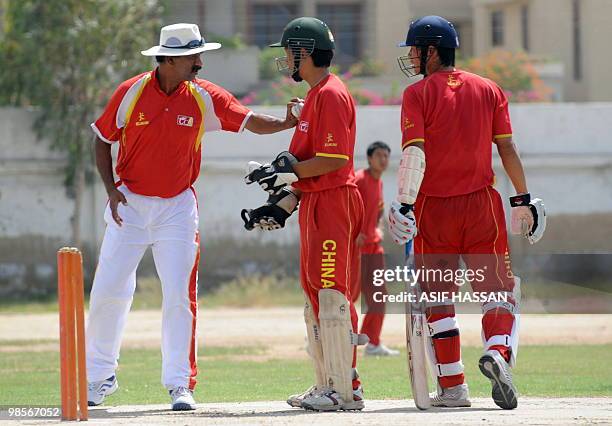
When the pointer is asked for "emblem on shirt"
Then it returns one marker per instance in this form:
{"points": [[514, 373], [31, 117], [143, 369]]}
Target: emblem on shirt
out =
{"points": [[408, 124], [142, 121], [184, 120], [453, 82], [303, 126], [330, 140]]}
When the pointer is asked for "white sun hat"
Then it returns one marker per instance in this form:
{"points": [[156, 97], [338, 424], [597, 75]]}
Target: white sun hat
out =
{"points": [[180, 40]]}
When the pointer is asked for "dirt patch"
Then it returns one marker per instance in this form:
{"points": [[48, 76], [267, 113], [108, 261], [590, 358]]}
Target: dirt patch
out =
{"points": [[542, 411], [281, 330]]}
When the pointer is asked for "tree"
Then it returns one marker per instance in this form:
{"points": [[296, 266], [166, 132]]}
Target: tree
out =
{"points": [[514, 72], [64, 58]]}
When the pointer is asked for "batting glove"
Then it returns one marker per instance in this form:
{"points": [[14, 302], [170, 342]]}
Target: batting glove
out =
{"points": [[273, 177], [528, 217], [402, 223], [273, 214]]}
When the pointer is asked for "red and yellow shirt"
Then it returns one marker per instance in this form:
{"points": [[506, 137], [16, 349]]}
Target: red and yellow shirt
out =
{"points": [[371, 191], [326, 128], [161, 135], [457, 115]]}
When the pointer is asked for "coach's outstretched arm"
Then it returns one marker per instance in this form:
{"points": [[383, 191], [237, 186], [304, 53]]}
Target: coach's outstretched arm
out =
{"points": [[104, 163], [528, 216], [263, 124]]}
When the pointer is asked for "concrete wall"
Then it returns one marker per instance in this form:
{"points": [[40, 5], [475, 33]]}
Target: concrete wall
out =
{"points": [[551, 36], [565, 147]]}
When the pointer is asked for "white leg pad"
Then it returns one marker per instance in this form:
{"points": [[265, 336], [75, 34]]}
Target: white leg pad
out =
{"points": [[451, 369], [337, 337], [440, 326], [315, 348]]}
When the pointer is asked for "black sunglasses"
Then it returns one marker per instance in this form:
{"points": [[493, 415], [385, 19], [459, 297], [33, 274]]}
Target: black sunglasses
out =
{"points": [[193, 44]]}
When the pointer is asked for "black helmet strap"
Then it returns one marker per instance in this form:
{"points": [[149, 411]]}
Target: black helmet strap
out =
{"points": [[424, 58], [424, 42]]}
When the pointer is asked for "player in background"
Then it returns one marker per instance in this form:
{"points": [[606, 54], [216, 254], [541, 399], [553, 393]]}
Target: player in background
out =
{"points": [[159, 118], [450, 120], [318, 170], [370, 186]]}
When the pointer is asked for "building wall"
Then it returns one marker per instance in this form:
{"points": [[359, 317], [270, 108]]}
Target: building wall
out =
{"points": [[597, 33], [383, 23], [551, 37], [458, 12]]}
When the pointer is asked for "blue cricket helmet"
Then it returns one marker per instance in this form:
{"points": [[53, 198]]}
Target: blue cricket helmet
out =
{"points": [[432, 30]]}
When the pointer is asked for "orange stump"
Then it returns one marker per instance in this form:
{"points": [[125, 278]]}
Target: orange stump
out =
{"points": [[73, 380]]}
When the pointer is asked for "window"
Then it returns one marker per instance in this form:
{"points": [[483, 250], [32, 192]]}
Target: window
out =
{"points": [[345, 24], [577, 40], [497, 28], [268, 20], [525, 27]]}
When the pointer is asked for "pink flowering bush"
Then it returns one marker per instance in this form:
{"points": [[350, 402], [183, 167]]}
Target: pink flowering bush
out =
{"points": [[514, 72]]}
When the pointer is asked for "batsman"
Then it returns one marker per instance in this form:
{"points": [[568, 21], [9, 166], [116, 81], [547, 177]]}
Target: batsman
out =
{"points": [[450, 120], [318, 171]]}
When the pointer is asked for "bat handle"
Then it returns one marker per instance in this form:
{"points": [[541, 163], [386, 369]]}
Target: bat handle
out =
{"points": [[408, 249]]}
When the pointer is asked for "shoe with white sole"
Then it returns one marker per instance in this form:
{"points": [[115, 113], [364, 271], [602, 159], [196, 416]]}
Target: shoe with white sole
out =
{"points": [[330, 400], [495, 367], [380, 350], [182, 399], [456, 396], [296, 400], [97, 391], [357, 403]]}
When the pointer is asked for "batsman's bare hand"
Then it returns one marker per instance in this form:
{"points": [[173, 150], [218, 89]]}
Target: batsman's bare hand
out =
{"points": [[114, 198]]}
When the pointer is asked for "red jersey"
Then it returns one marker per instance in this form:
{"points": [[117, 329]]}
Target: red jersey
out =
{"points": [[326, 128], [371, 191], [458, 115], [161, 135]]}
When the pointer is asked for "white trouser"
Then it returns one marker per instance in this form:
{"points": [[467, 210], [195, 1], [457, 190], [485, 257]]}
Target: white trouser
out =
{"points": [[169, 226]]}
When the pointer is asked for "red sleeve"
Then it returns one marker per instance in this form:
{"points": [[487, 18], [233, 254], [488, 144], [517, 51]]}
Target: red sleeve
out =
{"points": [[335, 116], [501, 116], [413, 123], [231, 113], [105, 127]]}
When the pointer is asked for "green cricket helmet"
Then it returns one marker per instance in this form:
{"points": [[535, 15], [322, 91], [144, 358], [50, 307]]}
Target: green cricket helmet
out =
{"points": [[302, 36], [309, 33]]}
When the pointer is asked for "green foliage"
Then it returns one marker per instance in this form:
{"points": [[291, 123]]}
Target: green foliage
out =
{"points": [[514, 72], [280, 90], [65, 57], [267, 63], [366, 68], [234, 42]]}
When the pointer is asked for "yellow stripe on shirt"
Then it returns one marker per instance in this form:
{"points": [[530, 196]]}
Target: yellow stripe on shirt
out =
{"points": [[509, 135], [405, 144], [324, 154], [202, 105], [128, 115]]}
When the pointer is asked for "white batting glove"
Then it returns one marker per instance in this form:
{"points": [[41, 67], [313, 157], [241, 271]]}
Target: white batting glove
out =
{"points": [[528, 217], [402, 223]]}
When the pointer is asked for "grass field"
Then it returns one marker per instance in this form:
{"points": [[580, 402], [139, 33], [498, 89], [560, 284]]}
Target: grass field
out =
{"points": [[249, 374]]}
